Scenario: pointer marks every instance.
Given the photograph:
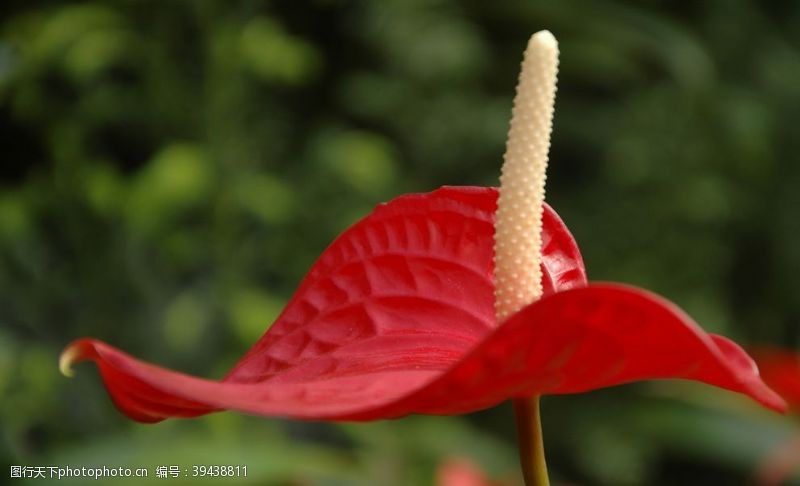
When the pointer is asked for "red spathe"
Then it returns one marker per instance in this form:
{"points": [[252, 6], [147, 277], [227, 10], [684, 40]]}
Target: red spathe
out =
{"points": [[397, 317]]}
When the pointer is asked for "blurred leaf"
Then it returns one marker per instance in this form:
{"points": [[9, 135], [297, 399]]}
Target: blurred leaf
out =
{"points": [[270, 458], [273, 54], [252, 311], [185, 321], [265, 197], [95, 52], [362, 160], [14, 217], [180, 177], [103, 186]]}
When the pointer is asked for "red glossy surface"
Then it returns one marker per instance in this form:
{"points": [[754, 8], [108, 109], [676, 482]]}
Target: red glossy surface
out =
{"points": [[396, 317]]}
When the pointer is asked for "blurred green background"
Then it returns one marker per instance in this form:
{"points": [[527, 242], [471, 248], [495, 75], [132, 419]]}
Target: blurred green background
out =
{"points": [[170, 170]]}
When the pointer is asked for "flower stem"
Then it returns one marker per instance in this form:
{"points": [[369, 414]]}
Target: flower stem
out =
{"points": [[531, 446]]}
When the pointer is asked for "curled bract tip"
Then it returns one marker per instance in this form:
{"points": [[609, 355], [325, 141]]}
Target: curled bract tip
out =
{"points": [[72, 354]]}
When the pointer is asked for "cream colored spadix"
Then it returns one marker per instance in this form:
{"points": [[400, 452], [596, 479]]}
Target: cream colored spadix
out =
{"points": [[518, 239]]}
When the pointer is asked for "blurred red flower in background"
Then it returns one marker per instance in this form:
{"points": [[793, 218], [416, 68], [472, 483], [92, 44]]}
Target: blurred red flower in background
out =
{"points": [[459, 471], [780, 369]]}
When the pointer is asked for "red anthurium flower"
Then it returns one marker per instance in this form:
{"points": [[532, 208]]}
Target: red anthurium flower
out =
{"points": [[396, 317], [432, 304]]}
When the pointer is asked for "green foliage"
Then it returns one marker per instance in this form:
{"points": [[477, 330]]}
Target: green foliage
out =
{"points": [[170, 170]]}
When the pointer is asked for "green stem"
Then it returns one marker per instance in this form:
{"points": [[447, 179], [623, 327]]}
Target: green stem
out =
{"points": [[531, 447]]}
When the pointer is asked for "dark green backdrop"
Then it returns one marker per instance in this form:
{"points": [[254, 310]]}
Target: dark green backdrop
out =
{"points": [[170, 170]]}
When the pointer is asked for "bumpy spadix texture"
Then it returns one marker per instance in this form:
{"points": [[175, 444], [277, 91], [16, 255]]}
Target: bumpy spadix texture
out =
{"points": [[397, 317], [519, 212]]}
